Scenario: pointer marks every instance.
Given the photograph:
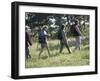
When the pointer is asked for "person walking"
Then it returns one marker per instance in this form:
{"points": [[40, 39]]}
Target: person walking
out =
{"points": [[77, 34], [27, 43], [63, 40], [43, 40]]}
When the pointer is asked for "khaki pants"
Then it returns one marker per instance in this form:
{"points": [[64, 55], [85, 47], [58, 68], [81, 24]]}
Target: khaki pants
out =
{"points": [[78, 41]]}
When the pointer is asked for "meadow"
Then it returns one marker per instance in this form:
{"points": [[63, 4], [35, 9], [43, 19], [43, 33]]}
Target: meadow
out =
{"points": [[76, 58]]}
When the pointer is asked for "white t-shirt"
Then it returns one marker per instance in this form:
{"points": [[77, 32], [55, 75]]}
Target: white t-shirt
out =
{"points": [[45, 33]]}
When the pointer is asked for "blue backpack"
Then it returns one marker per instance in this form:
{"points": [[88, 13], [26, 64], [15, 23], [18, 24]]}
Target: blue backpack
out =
{"points": [[42, 38]]}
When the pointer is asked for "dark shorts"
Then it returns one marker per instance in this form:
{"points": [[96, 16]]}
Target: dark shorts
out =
{"points": [[43, 45]]}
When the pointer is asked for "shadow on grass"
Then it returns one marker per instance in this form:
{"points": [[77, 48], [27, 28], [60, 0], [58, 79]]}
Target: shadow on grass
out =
{"points": [[52, 55]]}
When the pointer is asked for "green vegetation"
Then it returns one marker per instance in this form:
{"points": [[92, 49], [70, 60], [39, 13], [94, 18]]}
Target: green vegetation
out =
{"points": [[36, 21], [77, 58], [54, 21]]}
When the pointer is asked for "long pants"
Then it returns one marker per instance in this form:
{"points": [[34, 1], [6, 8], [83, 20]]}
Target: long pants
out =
{"points": [[27, 52], [62, 44], [78, 41]]}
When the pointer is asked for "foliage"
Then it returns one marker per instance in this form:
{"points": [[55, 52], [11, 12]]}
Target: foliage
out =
{"points": [[54, 21]]}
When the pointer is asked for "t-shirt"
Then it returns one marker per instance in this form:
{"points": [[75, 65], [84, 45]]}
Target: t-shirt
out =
{"points": [[75, 30], [63, 35]]}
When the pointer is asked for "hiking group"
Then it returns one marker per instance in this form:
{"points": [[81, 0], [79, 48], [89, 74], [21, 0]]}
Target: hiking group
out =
{"points": [[62, 37]]}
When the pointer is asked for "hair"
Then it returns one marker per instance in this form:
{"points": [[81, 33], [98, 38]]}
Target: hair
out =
{"points": [[44, 28], [62, 27], [76, 21]]}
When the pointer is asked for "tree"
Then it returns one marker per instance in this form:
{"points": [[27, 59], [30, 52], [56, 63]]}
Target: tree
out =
{"points": [[54, 22]]}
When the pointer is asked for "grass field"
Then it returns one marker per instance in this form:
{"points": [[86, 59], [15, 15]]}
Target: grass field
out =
{"points": [[77, 58]]}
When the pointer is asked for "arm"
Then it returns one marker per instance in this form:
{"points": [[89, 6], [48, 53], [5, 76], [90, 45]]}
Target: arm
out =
{"points": [[45, 33]]}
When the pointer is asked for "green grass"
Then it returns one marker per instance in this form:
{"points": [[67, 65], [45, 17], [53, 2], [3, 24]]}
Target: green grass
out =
{"points": [[77, 58]]}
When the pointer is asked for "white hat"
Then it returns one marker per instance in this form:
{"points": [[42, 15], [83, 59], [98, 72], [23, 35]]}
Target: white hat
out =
{"points": [[27, 27]]}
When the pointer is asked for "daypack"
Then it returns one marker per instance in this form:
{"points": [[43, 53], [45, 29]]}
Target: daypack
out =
{"points": [[41, 37]]}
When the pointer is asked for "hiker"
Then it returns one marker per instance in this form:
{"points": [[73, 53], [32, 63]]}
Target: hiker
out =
{"points": [[63, 40], [27, 43], [77, 34], [43, 40]]}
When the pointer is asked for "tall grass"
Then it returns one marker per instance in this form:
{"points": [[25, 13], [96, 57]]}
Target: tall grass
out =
{"points": [[77, 58]]}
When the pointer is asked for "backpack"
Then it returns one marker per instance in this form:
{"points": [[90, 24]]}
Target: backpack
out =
{"points": [[41, 37]]}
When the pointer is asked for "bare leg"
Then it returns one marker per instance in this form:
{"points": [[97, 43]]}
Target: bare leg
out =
{"points": [[40, 51], [48, 50]]}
